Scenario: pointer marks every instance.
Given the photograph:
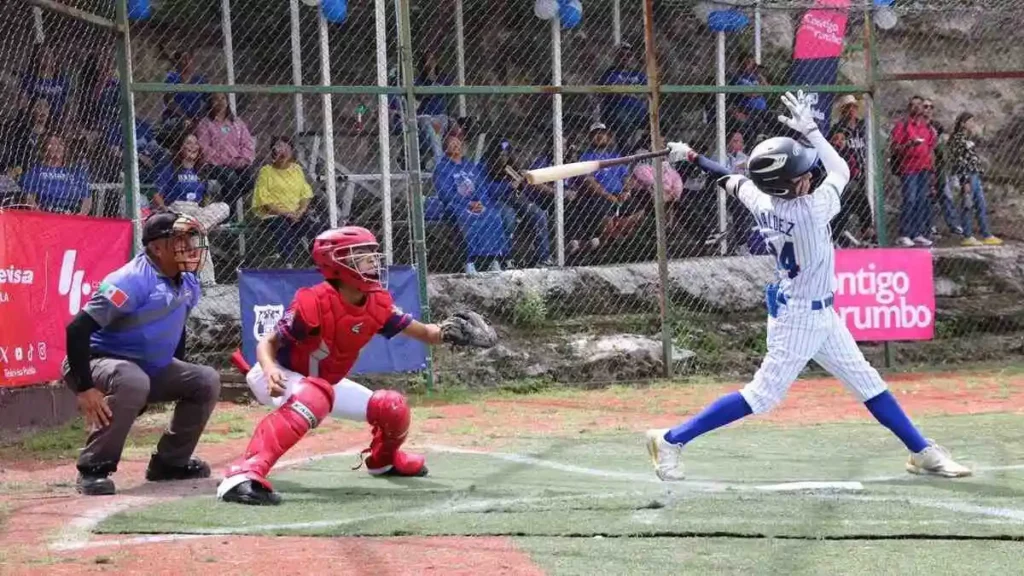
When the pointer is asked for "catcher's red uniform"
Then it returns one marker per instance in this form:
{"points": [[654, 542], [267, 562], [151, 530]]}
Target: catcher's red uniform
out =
{"points": [[321, 334], [320, 337]]}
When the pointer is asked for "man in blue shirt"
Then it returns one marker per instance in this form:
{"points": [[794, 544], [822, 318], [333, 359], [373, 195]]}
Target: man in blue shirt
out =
{"points": [[126, 349], [625, 113]]}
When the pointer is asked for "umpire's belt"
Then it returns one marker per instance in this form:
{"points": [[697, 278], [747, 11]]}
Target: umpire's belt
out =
{"points": [[815, 304]]}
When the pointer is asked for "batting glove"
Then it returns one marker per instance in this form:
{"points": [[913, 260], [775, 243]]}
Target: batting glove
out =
{"points": [[680, 152], [801, 116]]}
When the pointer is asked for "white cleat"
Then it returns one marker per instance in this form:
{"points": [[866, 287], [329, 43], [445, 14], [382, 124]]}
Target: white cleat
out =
{"points": [[936, 461], [667, 457]]}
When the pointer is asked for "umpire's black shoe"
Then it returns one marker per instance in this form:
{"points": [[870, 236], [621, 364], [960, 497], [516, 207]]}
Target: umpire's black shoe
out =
{"points": [[252, 494], [158, 471], [91, 484]]}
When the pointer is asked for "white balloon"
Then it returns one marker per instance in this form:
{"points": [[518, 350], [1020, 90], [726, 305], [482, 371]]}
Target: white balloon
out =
{"points": [[545, 9], [885, 18], [311, 3]]}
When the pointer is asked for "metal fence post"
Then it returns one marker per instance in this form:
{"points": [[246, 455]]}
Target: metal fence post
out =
{"points": [[874, 141], [659, 192], [129, 159], [415, 182]]}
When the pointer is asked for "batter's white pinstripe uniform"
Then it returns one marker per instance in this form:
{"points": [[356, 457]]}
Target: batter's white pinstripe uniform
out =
{"points": [[806, 325]]}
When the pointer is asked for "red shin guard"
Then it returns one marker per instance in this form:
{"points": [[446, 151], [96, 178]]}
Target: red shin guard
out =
{"points": [[390, 417], [309, 404]]}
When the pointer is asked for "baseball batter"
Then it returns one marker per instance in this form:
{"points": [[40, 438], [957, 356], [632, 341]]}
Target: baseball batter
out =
{"points": [[802, 324], [304, 362]]}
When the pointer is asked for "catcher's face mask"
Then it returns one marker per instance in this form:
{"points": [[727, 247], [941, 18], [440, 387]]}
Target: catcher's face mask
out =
{"points": [[188, 242], [367, 262]]}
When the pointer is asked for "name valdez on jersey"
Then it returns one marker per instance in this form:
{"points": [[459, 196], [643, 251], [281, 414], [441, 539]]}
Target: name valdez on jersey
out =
{"points": [[772, 221]]}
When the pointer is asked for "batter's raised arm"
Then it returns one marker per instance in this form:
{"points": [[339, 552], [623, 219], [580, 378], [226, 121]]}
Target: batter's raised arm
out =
{"points": [[802, 121]]}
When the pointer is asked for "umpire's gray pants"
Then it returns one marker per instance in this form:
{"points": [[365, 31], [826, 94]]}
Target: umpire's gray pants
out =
{"points": [[129, 389]]}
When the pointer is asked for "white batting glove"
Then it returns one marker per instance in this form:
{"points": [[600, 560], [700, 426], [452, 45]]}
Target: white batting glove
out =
{"points": [[681, 152], [801, 116]]}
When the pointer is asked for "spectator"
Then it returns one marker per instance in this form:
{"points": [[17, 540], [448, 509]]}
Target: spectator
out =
{"points": [[22, 137], [742, 227], [101, 99], [750, 75], [966, 173], [180, 188], [45, 80], [229, 150], [511, 193], [151, 155], [750, 111], [640, 186], [913, 142], [599, 195], [625, 113], [281, 200], [940, 188], [855, 199], [10, 192], [853, 127], [458, 183], [182, 110], [53, 186], [432, 112]]}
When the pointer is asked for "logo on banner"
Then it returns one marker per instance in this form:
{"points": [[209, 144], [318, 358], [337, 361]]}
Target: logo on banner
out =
{"points": [[12, 275], [886, 294], [18, 361], [71, 282], [266, 318]]}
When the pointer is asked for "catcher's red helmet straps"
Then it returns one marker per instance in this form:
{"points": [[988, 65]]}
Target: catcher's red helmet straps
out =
{"points": [[351, 255]]}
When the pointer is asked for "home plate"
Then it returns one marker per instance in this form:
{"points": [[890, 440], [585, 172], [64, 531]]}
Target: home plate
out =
{"points": [[797, 486]]}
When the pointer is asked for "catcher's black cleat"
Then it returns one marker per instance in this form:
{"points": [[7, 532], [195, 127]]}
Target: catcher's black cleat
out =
{"points": [[252, 494], [158, 471], [90, 484], [394, 473]]}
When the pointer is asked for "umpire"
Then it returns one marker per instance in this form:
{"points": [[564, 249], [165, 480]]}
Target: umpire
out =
{"points": [[126, 349]]}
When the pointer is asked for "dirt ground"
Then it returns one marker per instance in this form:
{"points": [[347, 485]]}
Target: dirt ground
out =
{"points": [[43, 513]]}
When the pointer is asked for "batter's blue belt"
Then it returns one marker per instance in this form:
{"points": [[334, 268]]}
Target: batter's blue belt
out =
{"points": [[815, 304], [773, 299]]}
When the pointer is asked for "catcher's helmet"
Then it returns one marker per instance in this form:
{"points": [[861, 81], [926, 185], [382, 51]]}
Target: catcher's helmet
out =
{"points": [[775, 163], [352, 255]]}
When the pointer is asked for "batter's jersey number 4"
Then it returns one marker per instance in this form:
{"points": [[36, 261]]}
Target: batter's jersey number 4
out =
{"points": [[786, 258]]}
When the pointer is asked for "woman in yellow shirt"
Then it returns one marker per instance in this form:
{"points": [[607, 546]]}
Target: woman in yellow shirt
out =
{"points": [[281, 200]]}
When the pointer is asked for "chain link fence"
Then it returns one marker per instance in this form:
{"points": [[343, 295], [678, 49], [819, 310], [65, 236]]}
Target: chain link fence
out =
{"points": [[293, 118], [953, 65]]}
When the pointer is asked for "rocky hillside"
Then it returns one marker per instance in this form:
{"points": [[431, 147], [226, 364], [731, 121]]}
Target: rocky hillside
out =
{"points": [[596, 325]]}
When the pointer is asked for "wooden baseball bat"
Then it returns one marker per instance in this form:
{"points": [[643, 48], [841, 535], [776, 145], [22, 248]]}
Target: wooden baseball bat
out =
{"points": [[563, 171]]}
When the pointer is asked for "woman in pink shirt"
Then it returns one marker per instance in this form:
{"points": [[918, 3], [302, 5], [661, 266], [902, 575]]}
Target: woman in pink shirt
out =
{"points": [[228, 149]]}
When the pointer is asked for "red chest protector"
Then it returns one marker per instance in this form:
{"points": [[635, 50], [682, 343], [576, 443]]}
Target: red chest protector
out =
{"points": [[337, 330]]}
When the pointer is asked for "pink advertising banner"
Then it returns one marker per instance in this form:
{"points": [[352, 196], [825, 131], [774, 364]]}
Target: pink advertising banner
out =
{"points": [[886, 294], [821, 31]]}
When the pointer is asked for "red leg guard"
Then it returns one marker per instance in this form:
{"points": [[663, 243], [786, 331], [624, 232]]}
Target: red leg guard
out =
{"points": [[309, 404], [389, 415]]}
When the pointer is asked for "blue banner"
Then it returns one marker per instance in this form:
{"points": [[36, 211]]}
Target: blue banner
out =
{"points": [[817, 71], [265, 294]]}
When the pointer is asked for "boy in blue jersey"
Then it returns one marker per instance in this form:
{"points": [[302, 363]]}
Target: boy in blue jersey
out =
{"points": [[126, 349]]}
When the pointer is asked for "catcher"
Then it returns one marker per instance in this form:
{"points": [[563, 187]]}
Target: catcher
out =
{"points": [[315, 344]]}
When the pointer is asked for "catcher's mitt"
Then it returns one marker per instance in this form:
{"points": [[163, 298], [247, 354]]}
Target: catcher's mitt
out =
{"points": [[467, 328]]}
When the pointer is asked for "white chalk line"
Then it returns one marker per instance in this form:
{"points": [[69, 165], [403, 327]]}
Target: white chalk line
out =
{"points": [[85, 523], [79, 530], [697, 485], [449, 507]]}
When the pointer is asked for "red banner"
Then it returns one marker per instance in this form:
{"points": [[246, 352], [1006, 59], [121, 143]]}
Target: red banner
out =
{"points": [[50, 265], [822, 31]]}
